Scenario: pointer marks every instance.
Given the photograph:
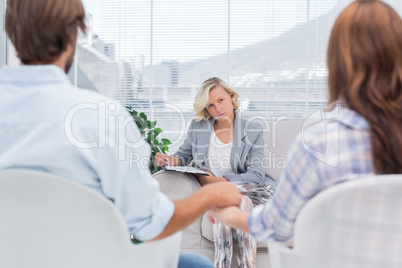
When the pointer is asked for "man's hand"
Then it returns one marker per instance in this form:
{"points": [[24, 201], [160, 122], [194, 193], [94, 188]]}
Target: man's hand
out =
{"points": [[231, 216], [187, 210], [222, 194]]}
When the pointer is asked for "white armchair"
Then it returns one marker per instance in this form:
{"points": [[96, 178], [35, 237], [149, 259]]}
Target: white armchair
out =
{"points": [[48, 222], [353, 224]]}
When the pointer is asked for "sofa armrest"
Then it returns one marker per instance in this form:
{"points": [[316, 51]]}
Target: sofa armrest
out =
{"points": [[177, 185]]}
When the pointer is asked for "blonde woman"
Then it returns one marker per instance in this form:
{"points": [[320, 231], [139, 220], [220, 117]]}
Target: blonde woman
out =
{"points": [[230, 149]]}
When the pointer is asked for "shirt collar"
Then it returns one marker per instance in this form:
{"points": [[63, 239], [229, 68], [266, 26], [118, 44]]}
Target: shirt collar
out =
{"points": [[352, 119], [33, 74]]}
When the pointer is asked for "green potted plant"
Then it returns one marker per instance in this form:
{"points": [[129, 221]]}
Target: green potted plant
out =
{"points": [[150, 134]]}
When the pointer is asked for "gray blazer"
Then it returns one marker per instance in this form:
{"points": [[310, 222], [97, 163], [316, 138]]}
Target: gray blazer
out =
{"points": [[246, 156]]}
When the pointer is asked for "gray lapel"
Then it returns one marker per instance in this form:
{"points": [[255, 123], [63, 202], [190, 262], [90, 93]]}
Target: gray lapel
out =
{"points": [[238, 140], [203, 135]]}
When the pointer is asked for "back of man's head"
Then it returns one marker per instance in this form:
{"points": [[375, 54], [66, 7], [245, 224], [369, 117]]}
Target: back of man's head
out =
{"points": [[42, 29]]}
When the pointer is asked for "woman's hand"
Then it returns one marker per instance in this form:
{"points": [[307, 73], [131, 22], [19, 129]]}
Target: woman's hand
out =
{"points": [[204, 180], [163, 160], [231, 216]]}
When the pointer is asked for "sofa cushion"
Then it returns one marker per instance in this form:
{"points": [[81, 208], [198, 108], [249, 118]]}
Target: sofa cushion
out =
{"points": [[206, 231]]}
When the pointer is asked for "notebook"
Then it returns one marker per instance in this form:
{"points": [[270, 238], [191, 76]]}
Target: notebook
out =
{"points": [[186, 169]]}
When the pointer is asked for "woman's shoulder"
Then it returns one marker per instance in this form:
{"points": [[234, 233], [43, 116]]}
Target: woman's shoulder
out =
{"points": [[201, 124], [250, 124], [250, 127]]}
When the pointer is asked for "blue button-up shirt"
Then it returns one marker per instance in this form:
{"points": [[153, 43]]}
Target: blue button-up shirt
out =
{"points": [[47, 124], [324, 154]]}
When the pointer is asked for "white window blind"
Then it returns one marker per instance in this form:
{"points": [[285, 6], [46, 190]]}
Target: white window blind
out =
{"points": [[272, 52]]}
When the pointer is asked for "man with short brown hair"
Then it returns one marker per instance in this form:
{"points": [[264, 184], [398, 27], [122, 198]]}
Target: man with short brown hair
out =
{"points": [[51, 126]]}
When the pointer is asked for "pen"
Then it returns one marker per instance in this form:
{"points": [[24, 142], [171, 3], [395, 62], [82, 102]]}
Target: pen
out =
{"points": [[162, 153]]}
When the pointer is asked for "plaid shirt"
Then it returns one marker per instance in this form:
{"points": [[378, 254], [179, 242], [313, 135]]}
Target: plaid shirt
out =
{"points": [[324, 154]]}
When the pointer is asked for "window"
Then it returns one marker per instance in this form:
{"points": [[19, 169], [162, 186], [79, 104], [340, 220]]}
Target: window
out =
{"points": [[272, 52], [154, 54]]}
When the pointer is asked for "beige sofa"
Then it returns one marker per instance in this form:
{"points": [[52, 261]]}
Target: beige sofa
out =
{"points": [[278, 135]]}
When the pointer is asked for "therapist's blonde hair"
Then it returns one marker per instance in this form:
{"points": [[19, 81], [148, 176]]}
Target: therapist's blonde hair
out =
{"points": [[202, 98]]}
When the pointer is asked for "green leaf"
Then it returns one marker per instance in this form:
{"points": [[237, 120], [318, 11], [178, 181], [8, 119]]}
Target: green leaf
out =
{"points": [[151, 125], [140, 122], [166, 142], [149, 138], [143, 116], [156, 142], [164, 148], [157, 131]]}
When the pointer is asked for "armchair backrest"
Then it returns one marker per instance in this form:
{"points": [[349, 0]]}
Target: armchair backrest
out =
{"points": [[353, 224], [48, 221]]}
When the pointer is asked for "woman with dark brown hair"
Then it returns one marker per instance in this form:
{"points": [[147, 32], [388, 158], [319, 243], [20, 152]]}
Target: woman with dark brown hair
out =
{"points": [[364, 138], [365, 75]]}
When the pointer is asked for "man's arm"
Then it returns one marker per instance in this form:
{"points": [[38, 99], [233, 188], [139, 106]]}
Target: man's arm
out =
{"points": [[189, 209]]}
